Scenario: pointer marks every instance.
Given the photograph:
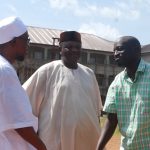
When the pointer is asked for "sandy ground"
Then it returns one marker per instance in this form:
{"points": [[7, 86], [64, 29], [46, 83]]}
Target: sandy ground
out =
{"points": [[114, 143]]}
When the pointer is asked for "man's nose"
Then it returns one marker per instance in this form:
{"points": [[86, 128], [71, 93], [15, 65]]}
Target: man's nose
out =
{"points": [[118, 52], [74, 49]]}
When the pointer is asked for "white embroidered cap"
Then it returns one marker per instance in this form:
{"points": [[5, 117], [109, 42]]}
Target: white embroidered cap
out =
{"points": [[11, 27]]}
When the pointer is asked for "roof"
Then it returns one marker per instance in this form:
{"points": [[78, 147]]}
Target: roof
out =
{"points": [[146, 48], [45, 36]]}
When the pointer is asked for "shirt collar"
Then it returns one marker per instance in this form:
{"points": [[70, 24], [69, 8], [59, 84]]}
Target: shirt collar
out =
{"points": [[140, 68]]}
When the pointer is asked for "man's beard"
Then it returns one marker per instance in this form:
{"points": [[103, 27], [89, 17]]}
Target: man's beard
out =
{"points": [[20, 58]]}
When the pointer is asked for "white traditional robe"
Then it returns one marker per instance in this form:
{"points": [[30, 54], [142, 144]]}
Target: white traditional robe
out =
{"points": [[15, 109], [67, 103]]}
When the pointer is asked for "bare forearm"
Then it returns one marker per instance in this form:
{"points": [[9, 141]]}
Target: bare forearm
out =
{"points": [[108, 131], [31, 137]]}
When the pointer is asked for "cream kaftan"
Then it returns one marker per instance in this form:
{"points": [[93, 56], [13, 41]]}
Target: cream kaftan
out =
{"points": [[67, 103]]}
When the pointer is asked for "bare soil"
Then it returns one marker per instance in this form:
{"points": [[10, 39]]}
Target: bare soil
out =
{"points": [[114, 143]]}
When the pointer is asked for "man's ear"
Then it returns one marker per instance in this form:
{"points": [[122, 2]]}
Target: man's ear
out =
{"points": [[13, 42]]}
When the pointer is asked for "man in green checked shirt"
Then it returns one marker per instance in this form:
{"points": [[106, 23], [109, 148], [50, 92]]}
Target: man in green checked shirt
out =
{"points": [[128, 98]]}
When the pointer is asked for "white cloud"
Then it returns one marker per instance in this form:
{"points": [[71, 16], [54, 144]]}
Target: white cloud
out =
{"points": [[63, 4], [141, 2], [110, 12], [101, 30], [128, 10], [134, 15], [115, 13], [12, 9], [143, 5], [118, 10], [34, 1]]}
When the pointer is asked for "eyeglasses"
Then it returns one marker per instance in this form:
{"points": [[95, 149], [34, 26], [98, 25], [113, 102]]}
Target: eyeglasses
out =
{"points": [[27, 39], [69, 45], [71, 50], [119, 48], [24, 38]]}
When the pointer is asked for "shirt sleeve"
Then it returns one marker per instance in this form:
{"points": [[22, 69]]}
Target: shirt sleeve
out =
{"points": [[15, 109], [110, 103], [35, 87]]}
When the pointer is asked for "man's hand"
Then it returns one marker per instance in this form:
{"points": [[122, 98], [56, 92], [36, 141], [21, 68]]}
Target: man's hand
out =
{"points": [[29, 135], [108, 130]]}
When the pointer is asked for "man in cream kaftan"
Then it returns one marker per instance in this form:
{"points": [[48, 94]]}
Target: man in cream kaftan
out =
{"points": [[67, 103]]}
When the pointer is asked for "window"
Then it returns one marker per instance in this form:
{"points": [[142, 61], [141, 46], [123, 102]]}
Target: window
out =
{"points": [[83, 57], [28, 72], [57, 55], [53, 55], [97, 58], [24, 73], [92, 58], [110, 79], [111, 60], [100, 59], [36, 52], [38, 55], [100, 79]]}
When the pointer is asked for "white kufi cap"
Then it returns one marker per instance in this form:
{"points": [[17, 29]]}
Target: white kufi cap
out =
{"points": [[10, 28]]}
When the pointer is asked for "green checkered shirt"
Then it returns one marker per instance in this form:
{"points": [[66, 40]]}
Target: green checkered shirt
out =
{"points": [[131, 101]]}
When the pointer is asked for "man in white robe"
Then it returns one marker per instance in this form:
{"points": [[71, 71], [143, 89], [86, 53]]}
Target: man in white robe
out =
{"points": [[66, 99], [17, 122]]}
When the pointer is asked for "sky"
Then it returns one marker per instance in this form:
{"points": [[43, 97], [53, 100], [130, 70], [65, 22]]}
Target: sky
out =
{"points": [[108, 19]]}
